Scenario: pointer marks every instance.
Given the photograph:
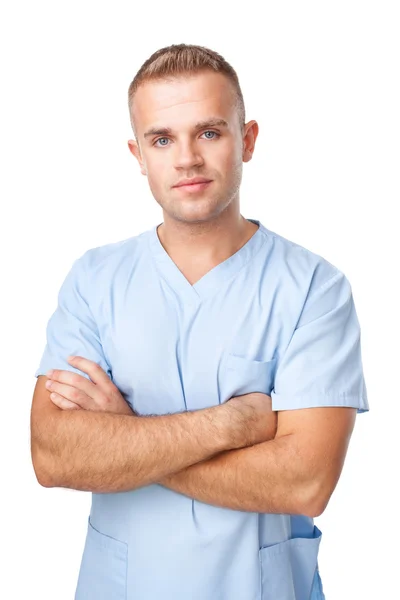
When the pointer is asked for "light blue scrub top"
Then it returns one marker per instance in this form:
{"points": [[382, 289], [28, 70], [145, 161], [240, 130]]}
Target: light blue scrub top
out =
{"points": [[273, 318]]}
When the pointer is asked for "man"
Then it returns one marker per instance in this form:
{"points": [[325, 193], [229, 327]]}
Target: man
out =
{"points": [[217, 370]]}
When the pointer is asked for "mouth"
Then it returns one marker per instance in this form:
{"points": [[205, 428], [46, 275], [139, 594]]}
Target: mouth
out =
{"points": [[193, 187]]}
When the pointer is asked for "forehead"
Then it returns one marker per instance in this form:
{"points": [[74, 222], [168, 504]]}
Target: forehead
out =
{"points": [[183, 100]]}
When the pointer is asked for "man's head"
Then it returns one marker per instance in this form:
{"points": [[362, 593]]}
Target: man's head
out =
{"points": [[188, 118]]}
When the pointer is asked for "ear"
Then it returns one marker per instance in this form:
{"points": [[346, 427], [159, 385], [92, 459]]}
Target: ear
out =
{"points": [[134, 148], [249, 140]]}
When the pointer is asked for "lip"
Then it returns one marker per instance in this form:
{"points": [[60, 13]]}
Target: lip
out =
{"points": [[193, 181], [193, 187]]}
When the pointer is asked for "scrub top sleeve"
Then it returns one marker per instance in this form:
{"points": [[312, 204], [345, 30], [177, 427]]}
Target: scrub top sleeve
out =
{"points": [[322, 365], [71, 329]]}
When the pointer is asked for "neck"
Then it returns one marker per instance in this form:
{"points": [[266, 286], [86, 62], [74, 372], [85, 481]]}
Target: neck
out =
{"points": [[208, 241]]}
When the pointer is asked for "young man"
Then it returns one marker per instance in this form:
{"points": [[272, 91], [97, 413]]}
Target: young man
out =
{"points": [[217, 375]]}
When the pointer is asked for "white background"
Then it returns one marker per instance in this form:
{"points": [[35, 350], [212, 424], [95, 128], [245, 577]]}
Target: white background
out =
{"points": [[322, 81]]}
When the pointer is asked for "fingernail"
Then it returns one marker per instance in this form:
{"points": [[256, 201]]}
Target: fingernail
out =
{"points": [[49, 373]]}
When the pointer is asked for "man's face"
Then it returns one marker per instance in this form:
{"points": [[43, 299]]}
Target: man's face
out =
{"points": [[191, 148]]}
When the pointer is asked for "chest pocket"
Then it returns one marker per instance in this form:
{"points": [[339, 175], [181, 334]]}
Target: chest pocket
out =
{"points": [[238, 375]]}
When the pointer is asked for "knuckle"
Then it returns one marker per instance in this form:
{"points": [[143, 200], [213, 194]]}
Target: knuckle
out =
{"points": [[105, 400], [75, 394], [75, 379]]}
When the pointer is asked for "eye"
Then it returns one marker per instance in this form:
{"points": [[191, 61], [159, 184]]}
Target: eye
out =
{"points": [[215, 136], [214, 132], [164, 138]]}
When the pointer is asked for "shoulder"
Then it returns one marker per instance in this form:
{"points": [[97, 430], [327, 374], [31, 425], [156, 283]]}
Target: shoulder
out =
{"points": [[97, 268], [304, 269], [103, 260], [309, 282], [112, 253]]}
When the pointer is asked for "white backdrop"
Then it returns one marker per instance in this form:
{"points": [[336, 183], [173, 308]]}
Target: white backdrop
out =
{"points": [[322, 81]]}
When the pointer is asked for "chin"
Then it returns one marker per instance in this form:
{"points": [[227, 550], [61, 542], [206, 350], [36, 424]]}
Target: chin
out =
{"points": [[195, 211], [197, 216]]}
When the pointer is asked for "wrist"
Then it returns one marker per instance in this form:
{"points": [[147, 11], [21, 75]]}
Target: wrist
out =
{"points": [[234, 426]]}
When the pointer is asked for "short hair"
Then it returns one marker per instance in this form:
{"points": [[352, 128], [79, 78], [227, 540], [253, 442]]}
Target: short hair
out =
{"points": [[180, 59]]}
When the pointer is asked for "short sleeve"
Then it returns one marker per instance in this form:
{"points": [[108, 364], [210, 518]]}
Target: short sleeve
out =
{"points": [[322, 365], [71, 329]]}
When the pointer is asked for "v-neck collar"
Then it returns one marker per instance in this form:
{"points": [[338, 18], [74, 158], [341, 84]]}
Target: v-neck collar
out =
{"points": [[213, 279]]}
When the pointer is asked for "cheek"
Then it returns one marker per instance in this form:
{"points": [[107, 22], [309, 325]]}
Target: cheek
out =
{"points": [[230, 158], [159, 182], [158, 169], [156, 176], [232, 166]]}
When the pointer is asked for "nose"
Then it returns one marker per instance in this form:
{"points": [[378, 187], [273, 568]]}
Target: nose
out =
{"points": [[187, 156]]}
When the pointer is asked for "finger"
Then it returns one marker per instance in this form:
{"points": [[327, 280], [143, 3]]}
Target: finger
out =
{"points": [[70, 393], [95, 372], [63, 403], [72, 379]]}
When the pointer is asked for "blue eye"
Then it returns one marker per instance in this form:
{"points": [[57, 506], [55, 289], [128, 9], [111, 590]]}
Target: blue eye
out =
{"points": [[161, 139], [214, 132], [216, 135]]}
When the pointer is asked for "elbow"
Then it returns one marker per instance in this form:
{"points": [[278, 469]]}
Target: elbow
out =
{"points": [[315, 499], [40, 468], [315, 509], [45, 481], [42, 476]]}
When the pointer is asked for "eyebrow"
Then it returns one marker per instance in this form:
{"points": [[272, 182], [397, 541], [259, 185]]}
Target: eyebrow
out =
{"points": [[215, 122]]}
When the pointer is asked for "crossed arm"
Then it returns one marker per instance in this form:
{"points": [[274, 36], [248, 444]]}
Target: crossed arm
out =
{"points": [[210, 455], [294, 473]]}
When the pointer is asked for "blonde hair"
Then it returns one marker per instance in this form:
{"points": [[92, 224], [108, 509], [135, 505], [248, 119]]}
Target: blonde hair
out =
{"points": [[180, 59]]}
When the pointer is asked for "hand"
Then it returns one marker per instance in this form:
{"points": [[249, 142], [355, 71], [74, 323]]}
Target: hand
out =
{"points": [[258, 422], [73, 391]]}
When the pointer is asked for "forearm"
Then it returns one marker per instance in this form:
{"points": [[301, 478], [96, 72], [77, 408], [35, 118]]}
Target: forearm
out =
{"points": [[267, 477], [106, 452]]}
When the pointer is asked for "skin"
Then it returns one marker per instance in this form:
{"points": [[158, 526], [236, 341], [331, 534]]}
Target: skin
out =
{"points": [[295, 467], [294, 471], [108, 448]]}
